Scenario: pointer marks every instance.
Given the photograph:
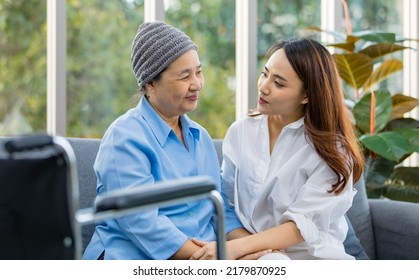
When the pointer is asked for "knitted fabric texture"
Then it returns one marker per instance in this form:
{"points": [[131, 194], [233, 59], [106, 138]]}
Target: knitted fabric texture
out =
{"points": [[155, 46]]}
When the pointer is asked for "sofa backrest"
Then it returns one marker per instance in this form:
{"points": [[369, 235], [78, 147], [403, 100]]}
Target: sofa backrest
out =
{"points": [[85, 151], [360, 216]]}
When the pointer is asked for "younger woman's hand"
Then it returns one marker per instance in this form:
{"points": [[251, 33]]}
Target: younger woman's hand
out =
{"points": [[255, 256]]}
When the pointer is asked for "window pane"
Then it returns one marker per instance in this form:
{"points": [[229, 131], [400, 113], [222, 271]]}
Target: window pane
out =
{"points": [[211, 25], [22, 66], [384, 15], [279, 20], [100, 82]]}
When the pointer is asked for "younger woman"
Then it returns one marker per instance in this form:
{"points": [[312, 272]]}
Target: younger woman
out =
{"points": [[289, 168]]}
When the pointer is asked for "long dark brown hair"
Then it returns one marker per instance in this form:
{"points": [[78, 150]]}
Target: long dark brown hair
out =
{"points": [[327, 121]]}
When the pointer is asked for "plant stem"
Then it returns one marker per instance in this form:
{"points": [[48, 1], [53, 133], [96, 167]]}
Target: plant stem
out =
{"points": [[372, 113], [347, 19]]}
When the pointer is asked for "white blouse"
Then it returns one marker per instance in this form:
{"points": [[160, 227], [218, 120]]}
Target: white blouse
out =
{"points": [[290, 185]]}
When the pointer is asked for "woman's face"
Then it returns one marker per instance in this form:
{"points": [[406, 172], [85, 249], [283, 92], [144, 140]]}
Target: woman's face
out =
{"points": [[280, 90], [177, 91]]}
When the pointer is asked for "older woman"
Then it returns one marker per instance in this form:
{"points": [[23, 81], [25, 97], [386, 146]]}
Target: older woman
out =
{"points": [[156, 141]]}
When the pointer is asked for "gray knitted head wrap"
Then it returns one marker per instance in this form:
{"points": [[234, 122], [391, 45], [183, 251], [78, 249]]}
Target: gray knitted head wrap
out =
{"points": [[155, 46]]}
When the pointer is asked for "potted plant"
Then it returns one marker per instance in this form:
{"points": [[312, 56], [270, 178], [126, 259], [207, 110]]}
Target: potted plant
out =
{"points": [[364, 60]]}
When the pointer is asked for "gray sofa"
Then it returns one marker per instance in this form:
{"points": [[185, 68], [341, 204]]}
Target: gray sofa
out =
{"points": [[386, 229]]}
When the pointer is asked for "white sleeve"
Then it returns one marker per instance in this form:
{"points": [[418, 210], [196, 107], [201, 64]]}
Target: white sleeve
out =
{"points": [[317, 212], [228, 166]]}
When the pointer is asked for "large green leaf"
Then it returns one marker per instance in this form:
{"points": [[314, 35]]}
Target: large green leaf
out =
{"points": [[348, 47], [386, 68], [373, 36], [377, 171], [352, 39], [403, 184], [401, 123], [402, 104], [381, 49], [354, 69], [383, 109], [392, 145]]}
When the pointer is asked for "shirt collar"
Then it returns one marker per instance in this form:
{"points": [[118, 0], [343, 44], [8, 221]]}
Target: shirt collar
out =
{"points": [[159, 127], [296, 125]]}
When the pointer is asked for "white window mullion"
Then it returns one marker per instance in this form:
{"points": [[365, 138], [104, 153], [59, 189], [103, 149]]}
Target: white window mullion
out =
{"points": [[331, 18], [56, 67], [153, 10], [246, 56]]}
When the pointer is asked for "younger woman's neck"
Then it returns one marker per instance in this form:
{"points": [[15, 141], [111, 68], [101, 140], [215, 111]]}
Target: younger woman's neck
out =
{"points": [[275, 125]]}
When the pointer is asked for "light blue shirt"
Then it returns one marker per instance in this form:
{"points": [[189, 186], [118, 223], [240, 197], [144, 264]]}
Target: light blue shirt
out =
{"points": [[139, 148]]}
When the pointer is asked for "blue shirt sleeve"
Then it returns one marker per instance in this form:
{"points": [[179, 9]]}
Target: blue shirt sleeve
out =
{"points": [[232, 221]]}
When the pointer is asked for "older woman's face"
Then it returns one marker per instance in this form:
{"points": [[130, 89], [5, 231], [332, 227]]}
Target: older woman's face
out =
{"points": [[177, 91]]}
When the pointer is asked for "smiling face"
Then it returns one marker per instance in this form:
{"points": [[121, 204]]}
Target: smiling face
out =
{"points": [[280, 89], [177, 91]]}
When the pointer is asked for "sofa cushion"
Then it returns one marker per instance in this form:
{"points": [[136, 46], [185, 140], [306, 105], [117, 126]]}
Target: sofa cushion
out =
{"points": [[85, 150], [352, 244], [396, 229], [360, 216]]}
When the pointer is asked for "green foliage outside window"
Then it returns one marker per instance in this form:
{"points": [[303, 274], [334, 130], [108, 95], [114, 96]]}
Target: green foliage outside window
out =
{"points": [[22, 66], [100, 83]]}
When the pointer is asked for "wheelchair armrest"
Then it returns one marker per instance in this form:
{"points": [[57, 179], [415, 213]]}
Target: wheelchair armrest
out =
{"points": [[128, 201], [157, 193]]}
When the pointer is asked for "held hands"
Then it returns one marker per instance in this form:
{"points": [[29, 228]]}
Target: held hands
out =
{"points": [[208, 251]]}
